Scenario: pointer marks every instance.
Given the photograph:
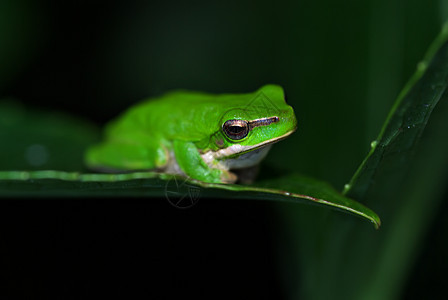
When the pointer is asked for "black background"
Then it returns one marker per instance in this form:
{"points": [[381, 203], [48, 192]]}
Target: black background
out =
{"points": [[79, 248]]}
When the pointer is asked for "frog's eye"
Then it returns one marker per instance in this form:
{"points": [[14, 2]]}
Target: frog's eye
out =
{"points": [[236, 129]]}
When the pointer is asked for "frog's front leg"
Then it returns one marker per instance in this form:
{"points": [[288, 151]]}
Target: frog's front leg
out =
{"points": [[190, 161]]}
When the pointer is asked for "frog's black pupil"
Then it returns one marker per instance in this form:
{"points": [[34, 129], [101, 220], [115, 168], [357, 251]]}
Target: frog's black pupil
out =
{"points": [[236, 129]]}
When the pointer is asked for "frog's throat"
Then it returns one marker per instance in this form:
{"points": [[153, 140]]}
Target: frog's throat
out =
{"points": [[209, 156]]}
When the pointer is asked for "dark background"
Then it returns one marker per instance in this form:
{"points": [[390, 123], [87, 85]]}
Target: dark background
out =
{"points": [[342, 64]]}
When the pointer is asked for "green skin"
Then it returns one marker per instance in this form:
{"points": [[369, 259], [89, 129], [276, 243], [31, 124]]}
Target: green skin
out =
{"points": [[185, 133]]}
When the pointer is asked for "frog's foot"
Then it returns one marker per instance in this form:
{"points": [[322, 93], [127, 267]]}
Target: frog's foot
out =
{"points": [[228, 177]]}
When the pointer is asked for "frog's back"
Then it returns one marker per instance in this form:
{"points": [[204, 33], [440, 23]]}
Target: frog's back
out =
{"points": [[182, 114], [189, 115]]}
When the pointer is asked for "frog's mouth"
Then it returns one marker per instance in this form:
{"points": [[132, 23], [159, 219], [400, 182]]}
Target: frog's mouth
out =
{"points": [[238, 156]]}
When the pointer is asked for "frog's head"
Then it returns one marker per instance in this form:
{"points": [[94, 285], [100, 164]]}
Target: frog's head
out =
{"points": [[258, 120]]}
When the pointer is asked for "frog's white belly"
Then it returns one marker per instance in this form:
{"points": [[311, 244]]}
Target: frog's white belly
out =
{"points": [[246, 160]]}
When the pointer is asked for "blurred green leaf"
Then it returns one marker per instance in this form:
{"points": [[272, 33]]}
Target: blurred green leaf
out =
{"points": [[402, 178], [407, 119], [36, 140]]}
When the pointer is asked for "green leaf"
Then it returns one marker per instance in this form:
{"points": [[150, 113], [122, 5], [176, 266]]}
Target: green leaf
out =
{"points": [[403, 178], [297, 188], [58, 142], [407, 119], [411, 176]]}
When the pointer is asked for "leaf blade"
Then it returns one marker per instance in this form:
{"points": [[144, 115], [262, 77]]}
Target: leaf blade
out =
{"points": [[298, 188], [407, 118]]}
